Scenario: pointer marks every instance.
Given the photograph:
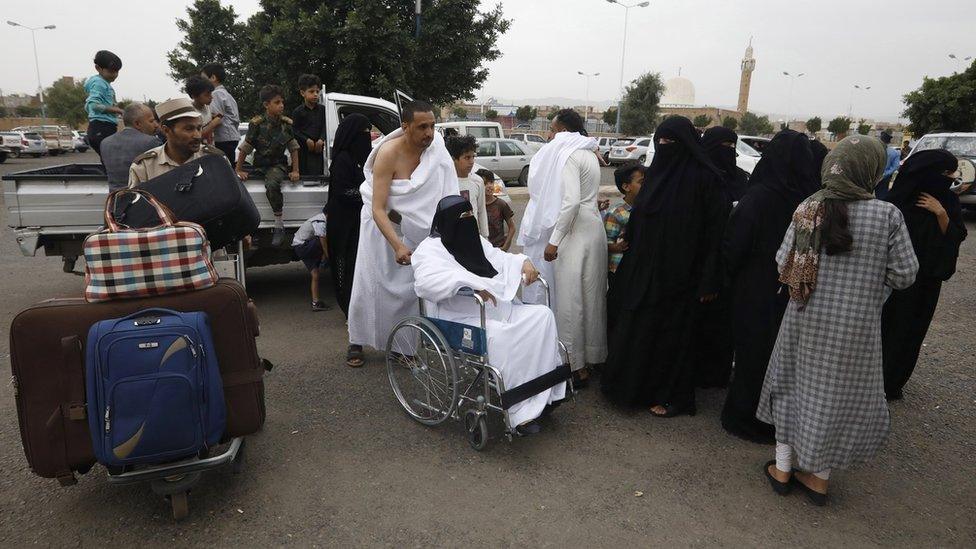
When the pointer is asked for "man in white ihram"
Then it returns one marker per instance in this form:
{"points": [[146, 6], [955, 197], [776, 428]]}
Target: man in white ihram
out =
{"points": [[406, 175], [563, 235]]}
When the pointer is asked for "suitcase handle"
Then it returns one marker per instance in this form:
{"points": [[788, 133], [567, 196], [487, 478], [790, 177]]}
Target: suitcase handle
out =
{"points": [[148, 313], [165, 215]]}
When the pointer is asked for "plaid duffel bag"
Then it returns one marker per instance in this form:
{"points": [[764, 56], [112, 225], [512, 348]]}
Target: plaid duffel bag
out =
{"points": [[122, 262]]}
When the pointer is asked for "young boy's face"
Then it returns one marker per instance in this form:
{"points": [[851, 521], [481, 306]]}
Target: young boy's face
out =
{"points": [[275, 107], [634, 186], [204, 98], [311, 95], [489, 190], [464, 163], [108, 74]]}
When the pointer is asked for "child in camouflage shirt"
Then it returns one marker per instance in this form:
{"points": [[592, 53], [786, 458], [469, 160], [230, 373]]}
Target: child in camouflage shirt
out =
{"points": [[268, 137]]}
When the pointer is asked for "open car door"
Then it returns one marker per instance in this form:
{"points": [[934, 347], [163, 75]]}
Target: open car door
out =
{"points": [[400, 98]]}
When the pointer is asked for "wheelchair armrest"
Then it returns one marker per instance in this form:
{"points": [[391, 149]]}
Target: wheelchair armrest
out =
{"points": [[465, 291]]}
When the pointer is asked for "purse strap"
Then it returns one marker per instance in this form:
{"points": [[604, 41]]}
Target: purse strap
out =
{"points": [[165, 216]]}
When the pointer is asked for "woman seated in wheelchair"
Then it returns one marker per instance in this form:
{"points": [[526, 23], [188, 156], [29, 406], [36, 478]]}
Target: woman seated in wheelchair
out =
{"points": [[522, 340]]}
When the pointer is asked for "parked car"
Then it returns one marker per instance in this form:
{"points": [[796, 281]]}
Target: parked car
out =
{"points": [[631, 148], [605, 144], [963, 145], [32, 144], [58, 138], [11, 143], [746, 157], [478, 128], [79, 142], [757, 143], [508, 158], [531, 141]]}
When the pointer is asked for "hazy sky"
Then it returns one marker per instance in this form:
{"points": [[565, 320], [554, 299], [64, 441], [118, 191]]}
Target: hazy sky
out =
{"points": [[889, 45]]}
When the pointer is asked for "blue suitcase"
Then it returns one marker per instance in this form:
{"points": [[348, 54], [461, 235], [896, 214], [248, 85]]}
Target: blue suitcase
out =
{"points": [[154, 388]]}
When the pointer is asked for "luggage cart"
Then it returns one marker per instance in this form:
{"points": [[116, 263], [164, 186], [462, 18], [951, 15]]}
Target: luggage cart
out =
{"points": [[175, 480]]}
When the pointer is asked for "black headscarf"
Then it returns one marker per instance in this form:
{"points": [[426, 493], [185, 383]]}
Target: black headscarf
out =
{"points": [[673, 163], [819, 153], [352, 136], [923, 172], [723, 157], [787, 167], [460, 235]]}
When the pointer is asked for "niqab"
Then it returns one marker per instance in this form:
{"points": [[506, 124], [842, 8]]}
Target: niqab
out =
{"points": [[787, 167], [352, 136], [460, 235], [673, 163], [923, 172], [734, 178]]}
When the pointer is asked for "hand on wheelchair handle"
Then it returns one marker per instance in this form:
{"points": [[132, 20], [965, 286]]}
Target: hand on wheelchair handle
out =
{"points": [[487, 297], [529, 273]]}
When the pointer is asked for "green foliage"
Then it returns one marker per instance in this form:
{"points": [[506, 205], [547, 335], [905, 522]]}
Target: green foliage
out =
{"points": [[491, 114], [839, 126], [459, 112], [3, 111], [702, 121], [67, 101], [753, 124], [610, 116], [814, 125], [27, 110], [730, 122], [863, 128], [639, 114], [552, 111], [364, 47], [943, 104], [526, 113]]}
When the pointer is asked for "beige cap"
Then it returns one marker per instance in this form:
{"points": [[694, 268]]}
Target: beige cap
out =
{"points": [[171, 109]]}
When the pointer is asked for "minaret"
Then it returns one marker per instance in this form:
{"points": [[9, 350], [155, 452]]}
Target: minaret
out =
{"points": [[748, 65]]}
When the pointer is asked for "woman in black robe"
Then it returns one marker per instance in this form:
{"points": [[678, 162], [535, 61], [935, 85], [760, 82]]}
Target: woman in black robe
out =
{"points": [[934, 219], [713, 363], [784, 177], [350, 149], [671, 266]]}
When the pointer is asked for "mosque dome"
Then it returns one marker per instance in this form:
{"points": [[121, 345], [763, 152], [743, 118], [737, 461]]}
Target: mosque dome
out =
{"points": [[678, 92]]}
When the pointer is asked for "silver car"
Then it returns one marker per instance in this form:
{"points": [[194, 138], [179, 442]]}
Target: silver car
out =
{"points": [[630, 148], [531, 141], [605, 144], [33, 144], [508, 158]]}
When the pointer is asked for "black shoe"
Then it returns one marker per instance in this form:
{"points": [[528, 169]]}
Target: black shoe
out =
{"points": [[530, 428], [814, 496], [781, 488], [320, 306], [277, 237]]}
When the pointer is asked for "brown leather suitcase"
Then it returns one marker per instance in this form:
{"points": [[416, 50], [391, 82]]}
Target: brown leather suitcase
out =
{"points": [[47, 356]]}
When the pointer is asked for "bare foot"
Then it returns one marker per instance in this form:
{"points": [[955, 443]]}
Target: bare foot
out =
{"points": [[812, 482], [777, 474], [659, 410]]}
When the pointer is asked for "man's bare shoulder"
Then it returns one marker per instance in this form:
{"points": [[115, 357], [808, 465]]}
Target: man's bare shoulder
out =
{"points": [[387, 154]]}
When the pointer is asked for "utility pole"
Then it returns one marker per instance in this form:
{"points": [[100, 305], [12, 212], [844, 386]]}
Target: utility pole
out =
{"points": [[37, 66], [623, 52]]}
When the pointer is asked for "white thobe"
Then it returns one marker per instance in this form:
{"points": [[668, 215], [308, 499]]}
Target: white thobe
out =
{"points": [[581, 265], [522, 339], [382, 290]]}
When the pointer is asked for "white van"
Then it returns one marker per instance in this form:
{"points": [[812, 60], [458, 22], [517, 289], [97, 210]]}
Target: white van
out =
{"points": [[477, 128]]}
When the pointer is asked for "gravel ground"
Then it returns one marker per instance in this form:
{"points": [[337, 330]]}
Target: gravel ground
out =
{"points": [[339, 464]]}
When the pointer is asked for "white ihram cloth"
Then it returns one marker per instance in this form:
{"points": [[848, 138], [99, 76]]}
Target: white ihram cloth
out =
{"points": [[382, 290], [522, 339], [545, 196]]}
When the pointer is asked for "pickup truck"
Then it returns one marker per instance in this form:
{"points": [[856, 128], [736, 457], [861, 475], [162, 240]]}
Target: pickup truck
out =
{"points": [[58, 138], [10, 145], [55, 208]]}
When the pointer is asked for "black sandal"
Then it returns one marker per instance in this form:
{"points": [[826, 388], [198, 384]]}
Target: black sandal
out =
{"points": [[814, 496], [781, 488], [354, 356]]}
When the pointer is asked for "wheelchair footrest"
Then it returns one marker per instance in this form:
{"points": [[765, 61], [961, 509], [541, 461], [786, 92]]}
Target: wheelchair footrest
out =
{"points": [[535, 386]]}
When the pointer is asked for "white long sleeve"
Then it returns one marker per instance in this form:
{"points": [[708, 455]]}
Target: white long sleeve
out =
{"points": [[572, 196]]}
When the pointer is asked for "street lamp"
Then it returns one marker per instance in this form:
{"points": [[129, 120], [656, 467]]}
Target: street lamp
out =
{"points": [[964, 60], [850, 111], [37, 67], [587, 104], [789, 102], [623, 51]]}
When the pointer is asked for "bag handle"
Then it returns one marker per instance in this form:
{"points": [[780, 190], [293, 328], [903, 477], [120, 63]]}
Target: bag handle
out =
{"points": [[165, 216], [148, 313]]}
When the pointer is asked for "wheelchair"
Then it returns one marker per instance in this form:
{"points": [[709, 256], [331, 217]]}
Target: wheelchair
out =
{"points": [[437, 368]]}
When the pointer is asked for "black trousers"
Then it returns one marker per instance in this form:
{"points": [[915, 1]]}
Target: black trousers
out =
{"points": [[97, 131], [230, 149]]}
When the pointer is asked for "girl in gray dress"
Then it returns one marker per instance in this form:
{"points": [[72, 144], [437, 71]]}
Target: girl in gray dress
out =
{"points": [[842, 255]]}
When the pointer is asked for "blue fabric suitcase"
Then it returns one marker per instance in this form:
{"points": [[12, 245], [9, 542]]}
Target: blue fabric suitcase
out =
{"points": [[154, 388]]}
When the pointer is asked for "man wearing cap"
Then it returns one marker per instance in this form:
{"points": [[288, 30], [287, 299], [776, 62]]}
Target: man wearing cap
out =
{"points": [[891, 165], [180, 121]]}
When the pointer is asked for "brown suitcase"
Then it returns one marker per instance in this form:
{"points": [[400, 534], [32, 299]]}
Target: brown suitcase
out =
{"points": [[47, 356]]}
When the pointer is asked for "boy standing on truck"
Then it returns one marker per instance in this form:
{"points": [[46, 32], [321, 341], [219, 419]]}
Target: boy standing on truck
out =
{"points": [[100, 105], [200, 91], [268, 137], [309, 126], [226, 135]]}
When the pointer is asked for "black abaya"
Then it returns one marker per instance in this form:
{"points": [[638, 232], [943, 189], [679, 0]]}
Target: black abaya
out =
{"points": [[349, 153], [782, 179], [907, 314], [674, 235]]}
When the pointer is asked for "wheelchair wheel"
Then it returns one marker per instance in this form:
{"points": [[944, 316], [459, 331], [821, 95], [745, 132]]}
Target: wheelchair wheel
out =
{"points": [[476, 424], [422, 370]]}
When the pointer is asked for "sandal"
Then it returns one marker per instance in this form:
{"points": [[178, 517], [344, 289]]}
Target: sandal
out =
{"points": [[817, 498], [354, 356], [781, 488]]}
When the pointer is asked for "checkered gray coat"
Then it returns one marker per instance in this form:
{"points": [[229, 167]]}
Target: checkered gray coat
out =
{"points": [[824, 389]]}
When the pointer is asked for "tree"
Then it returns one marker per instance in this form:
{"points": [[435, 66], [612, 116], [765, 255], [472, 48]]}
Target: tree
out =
{"points": [[814, 124], [610, 116], [27, 110], [362, 47], [526, 113], [640, 104], [3, 111], [702, 121], [753, 124], [730, 122], [66, 101], [552, 111], [839, 126], [491, 114], [946, 104], [459, 112], [863, 128]]}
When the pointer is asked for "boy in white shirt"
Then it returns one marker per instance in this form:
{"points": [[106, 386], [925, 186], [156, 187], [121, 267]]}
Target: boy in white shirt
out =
{"points": [[310, 246]]}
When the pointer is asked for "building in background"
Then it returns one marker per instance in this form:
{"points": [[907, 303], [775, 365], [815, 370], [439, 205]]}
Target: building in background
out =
{"points": [[745, 80]]}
